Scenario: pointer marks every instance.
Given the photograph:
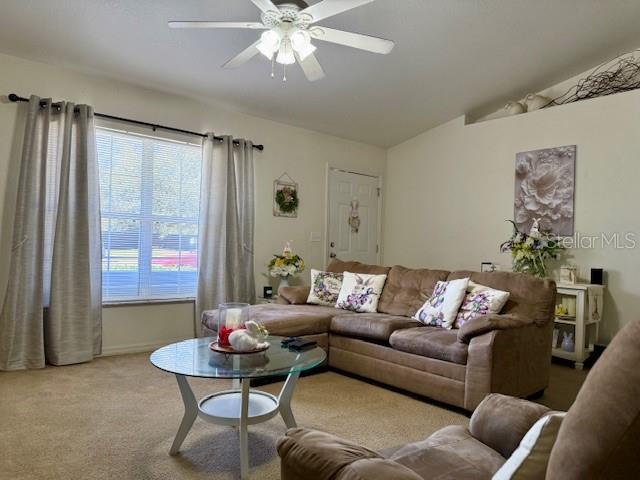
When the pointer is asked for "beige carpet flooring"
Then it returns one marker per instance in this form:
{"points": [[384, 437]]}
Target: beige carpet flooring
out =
{"points": [[115, 418]]}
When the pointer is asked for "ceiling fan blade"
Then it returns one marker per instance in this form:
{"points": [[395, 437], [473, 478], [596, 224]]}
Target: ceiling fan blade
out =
{"points": [[243, 57], [265, 5], [354, 40], [197, 24], [311, 68], [329, 8]]}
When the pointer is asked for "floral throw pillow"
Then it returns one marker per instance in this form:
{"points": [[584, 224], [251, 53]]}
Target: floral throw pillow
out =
{"points": [[480, 300], [325, 288], [441, 309], [360, 293]]}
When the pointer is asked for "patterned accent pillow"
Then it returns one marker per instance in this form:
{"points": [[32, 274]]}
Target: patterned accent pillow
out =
{"points": [[480, 300], [441, 309], [361, 293], [325, 288]]}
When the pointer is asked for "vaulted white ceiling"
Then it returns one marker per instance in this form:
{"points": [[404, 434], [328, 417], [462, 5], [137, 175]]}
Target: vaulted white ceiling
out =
{"points": [[451, 57]]}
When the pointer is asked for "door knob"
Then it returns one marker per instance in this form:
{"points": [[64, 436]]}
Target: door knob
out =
{"points": [[332, 255], [332, 244]]}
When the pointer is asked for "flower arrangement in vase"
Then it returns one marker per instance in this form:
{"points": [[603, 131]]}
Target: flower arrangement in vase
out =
{"points": [[530, 251], [286, 265]]}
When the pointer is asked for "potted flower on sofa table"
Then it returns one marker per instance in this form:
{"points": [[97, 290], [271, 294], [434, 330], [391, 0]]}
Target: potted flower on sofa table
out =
{"points": [[286, 265]]}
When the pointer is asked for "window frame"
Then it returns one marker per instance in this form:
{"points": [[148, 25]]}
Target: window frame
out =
{"points": [[145, 217]]}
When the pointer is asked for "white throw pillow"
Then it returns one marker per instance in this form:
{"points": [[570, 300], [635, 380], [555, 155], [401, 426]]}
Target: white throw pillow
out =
{"points": [[529, 461], [360, 292], [325, 288], [480, 300], [441, 309]]}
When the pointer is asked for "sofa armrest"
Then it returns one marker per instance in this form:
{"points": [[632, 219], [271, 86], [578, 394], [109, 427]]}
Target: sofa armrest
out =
{"points": [[306, 453], [501, 421], [293, 295], [516, 362], [488, 323]]}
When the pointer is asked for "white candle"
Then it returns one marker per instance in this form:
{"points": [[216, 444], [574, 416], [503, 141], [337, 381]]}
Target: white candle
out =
{"points": [[233, 318]]}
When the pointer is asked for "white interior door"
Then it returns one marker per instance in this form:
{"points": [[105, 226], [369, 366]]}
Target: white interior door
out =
{"points": [[353, 195]]}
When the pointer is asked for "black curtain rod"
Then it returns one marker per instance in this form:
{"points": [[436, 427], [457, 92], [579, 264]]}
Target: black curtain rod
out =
{"points": [[15, 98]]}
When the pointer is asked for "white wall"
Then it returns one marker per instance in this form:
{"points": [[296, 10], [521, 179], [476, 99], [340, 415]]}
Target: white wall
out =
{"points": [[450, 189], [302, 153]]}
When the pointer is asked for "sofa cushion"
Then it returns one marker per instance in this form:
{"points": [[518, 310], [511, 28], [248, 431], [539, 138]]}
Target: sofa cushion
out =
{"points": [[338, 266], [407, 289], [450, 453], [431, 342], [285, 320], [375, 326]]}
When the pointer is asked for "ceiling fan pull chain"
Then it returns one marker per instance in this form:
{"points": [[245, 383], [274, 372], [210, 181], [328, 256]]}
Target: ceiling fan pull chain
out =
{"points": [[284, 78], [273, 67]]}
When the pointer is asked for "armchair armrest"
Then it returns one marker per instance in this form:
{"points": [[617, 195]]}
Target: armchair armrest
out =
{"points": [[293, 295], [309, 454], [488, 323], [501, 421]]}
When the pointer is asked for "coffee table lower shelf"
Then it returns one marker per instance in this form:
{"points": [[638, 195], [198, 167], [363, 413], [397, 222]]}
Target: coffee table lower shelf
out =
{"points": [[224, 408], [238, 407]]}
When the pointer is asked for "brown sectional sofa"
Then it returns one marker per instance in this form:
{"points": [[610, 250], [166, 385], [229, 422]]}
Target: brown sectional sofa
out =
{"points": [[509, 353]]}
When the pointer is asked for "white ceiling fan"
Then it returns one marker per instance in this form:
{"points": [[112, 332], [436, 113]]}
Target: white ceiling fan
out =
{"points": [[290, 26]]}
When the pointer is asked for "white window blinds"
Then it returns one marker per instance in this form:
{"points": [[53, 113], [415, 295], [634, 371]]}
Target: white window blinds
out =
{"points": [[150, 197]]}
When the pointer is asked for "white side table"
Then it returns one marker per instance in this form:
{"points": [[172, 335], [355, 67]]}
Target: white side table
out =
{"points": [[584, 323]]}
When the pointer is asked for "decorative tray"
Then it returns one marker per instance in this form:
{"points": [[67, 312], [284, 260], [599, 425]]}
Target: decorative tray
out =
{"points": [[230, 351]]}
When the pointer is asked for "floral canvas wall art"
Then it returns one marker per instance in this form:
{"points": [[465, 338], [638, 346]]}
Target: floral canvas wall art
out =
{"points": [[545, 188]]}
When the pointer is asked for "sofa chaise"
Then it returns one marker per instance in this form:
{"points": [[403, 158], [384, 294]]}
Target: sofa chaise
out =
{"points": [[508, 353]]}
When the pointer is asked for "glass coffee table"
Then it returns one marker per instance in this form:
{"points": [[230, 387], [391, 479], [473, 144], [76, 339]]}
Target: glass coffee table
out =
{"points": [[241, 406]]}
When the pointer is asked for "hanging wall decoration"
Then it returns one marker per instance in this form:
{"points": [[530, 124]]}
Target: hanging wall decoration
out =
{"points": [[285, 197], [544, 190], [354, 216]]}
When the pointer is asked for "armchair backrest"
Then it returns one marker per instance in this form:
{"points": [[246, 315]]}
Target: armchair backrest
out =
{"points": [[600, 435]]}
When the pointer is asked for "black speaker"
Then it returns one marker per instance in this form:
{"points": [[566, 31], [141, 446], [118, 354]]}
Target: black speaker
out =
{"points": [[267, 292], [597, 276]]}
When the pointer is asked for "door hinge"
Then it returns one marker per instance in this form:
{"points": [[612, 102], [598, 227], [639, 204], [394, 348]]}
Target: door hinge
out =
{"points": [[377, 248], [378, 190]]}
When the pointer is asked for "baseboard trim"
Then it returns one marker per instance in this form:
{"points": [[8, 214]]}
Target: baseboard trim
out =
{"points": [[137, 348]]}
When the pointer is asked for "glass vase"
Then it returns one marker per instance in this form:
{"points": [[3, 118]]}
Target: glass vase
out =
{"points": [[231, 317]]}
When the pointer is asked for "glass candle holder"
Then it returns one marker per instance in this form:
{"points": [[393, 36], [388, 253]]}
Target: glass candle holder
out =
{"points": [[231, 317]]}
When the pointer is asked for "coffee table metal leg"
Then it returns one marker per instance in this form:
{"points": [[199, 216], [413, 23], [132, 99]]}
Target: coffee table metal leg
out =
{"points": [[244, 440], [190, 413], [284, 400]]}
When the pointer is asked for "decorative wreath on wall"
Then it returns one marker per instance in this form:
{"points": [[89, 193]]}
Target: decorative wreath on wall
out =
{"points": [[287, 199]]}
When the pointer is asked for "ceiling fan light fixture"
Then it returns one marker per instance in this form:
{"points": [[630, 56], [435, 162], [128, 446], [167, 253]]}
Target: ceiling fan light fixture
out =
{"points": [[286, 55], [270, 42], [301, 43]]}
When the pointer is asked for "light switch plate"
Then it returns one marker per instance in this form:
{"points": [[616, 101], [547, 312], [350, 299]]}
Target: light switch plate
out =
{"points": [[315, 237]]}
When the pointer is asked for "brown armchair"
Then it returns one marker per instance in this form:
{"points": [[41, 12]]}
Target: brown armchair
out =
{"points": [[598, 438]]}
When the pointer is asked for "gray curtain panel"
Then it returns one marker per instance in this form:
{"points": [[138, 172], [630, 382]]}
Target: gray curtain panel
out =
{"points": [[52, 307], [225, 272]]}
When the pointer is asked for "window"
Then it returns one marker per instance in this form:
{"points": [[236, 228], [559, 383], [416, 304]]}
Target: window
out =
{"points": [[150, 198]]}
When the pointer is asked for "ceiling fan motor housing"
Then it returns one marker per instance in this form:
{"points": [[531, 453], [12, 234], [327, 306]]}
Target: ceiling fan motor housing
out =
{"points": [[301, 4], [288, 12]]}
